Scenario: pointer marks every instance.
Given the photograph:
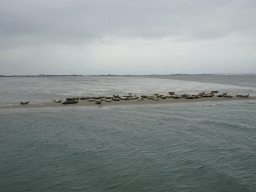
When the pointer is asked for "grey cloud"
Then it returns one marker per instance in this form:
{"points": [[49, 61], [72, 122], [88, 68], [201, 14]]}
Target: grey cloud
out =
{"points": [[35, 22]]}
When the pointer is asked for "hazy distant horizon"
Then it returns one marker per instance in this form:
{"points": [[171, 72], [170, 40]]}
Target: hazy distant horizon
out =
{"points": [[47, 75]]}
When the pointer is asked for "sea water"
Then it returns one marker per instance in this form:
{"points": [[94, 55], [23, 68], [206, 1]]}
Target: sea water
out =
{"points": [[203, 146]]}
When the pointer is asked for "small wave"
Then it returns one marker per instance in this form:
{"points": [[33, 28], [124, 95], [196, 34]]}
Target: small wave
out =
{"points": [[200, 167]]}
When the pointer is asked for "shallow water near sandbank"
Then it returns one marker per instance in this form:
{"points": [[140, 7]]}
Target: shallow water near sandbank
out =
{"points": [[202, 146]]}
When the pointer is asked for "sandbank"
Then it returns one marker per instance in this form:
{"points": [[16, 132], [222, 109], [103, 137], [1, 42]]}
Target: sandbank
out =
{"points": [[129, 102]]}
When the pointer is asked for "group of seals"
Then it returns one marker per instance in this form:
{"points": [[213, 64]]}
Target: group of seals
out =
{"points": [[155, 97]]}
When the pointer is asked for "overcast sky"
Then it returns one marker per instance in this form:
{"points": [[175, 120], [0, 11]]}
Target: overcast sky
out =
{"points": [[127, 37]]}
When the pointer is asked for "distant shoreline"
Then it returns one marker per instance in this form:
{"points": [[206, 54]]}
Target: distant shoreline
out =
{"points": [[110, 75], [129, 102]]}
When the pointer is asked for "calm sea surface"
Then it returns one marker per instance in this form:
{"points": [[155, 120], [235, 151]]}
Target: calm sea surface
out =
{"points": [[204, 146]]}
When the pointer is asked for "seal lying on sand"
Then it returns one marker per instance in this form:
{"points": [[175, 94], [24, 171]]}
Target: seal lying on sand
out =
{"points": [[70, 102], [116, 96], [57, 101], [243, 96], [24, 103]]}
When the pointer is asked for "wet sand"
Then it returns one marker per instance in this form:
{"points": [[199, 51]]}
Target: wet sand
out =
{"points": [[129, 102]]}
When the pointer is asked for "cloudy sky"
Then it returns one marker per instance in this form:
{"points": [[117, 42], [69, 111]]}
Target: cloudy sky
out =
{"points": [[127, 37]]}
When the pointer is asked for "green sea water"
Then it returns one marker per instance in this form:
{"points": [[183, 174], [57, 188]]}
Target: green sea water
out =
{"points": [[205, 146]]}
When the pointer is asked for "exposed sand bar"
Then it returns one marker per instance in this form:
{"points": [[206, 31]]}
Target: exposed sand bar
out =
{"points": [[130, 102]]}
